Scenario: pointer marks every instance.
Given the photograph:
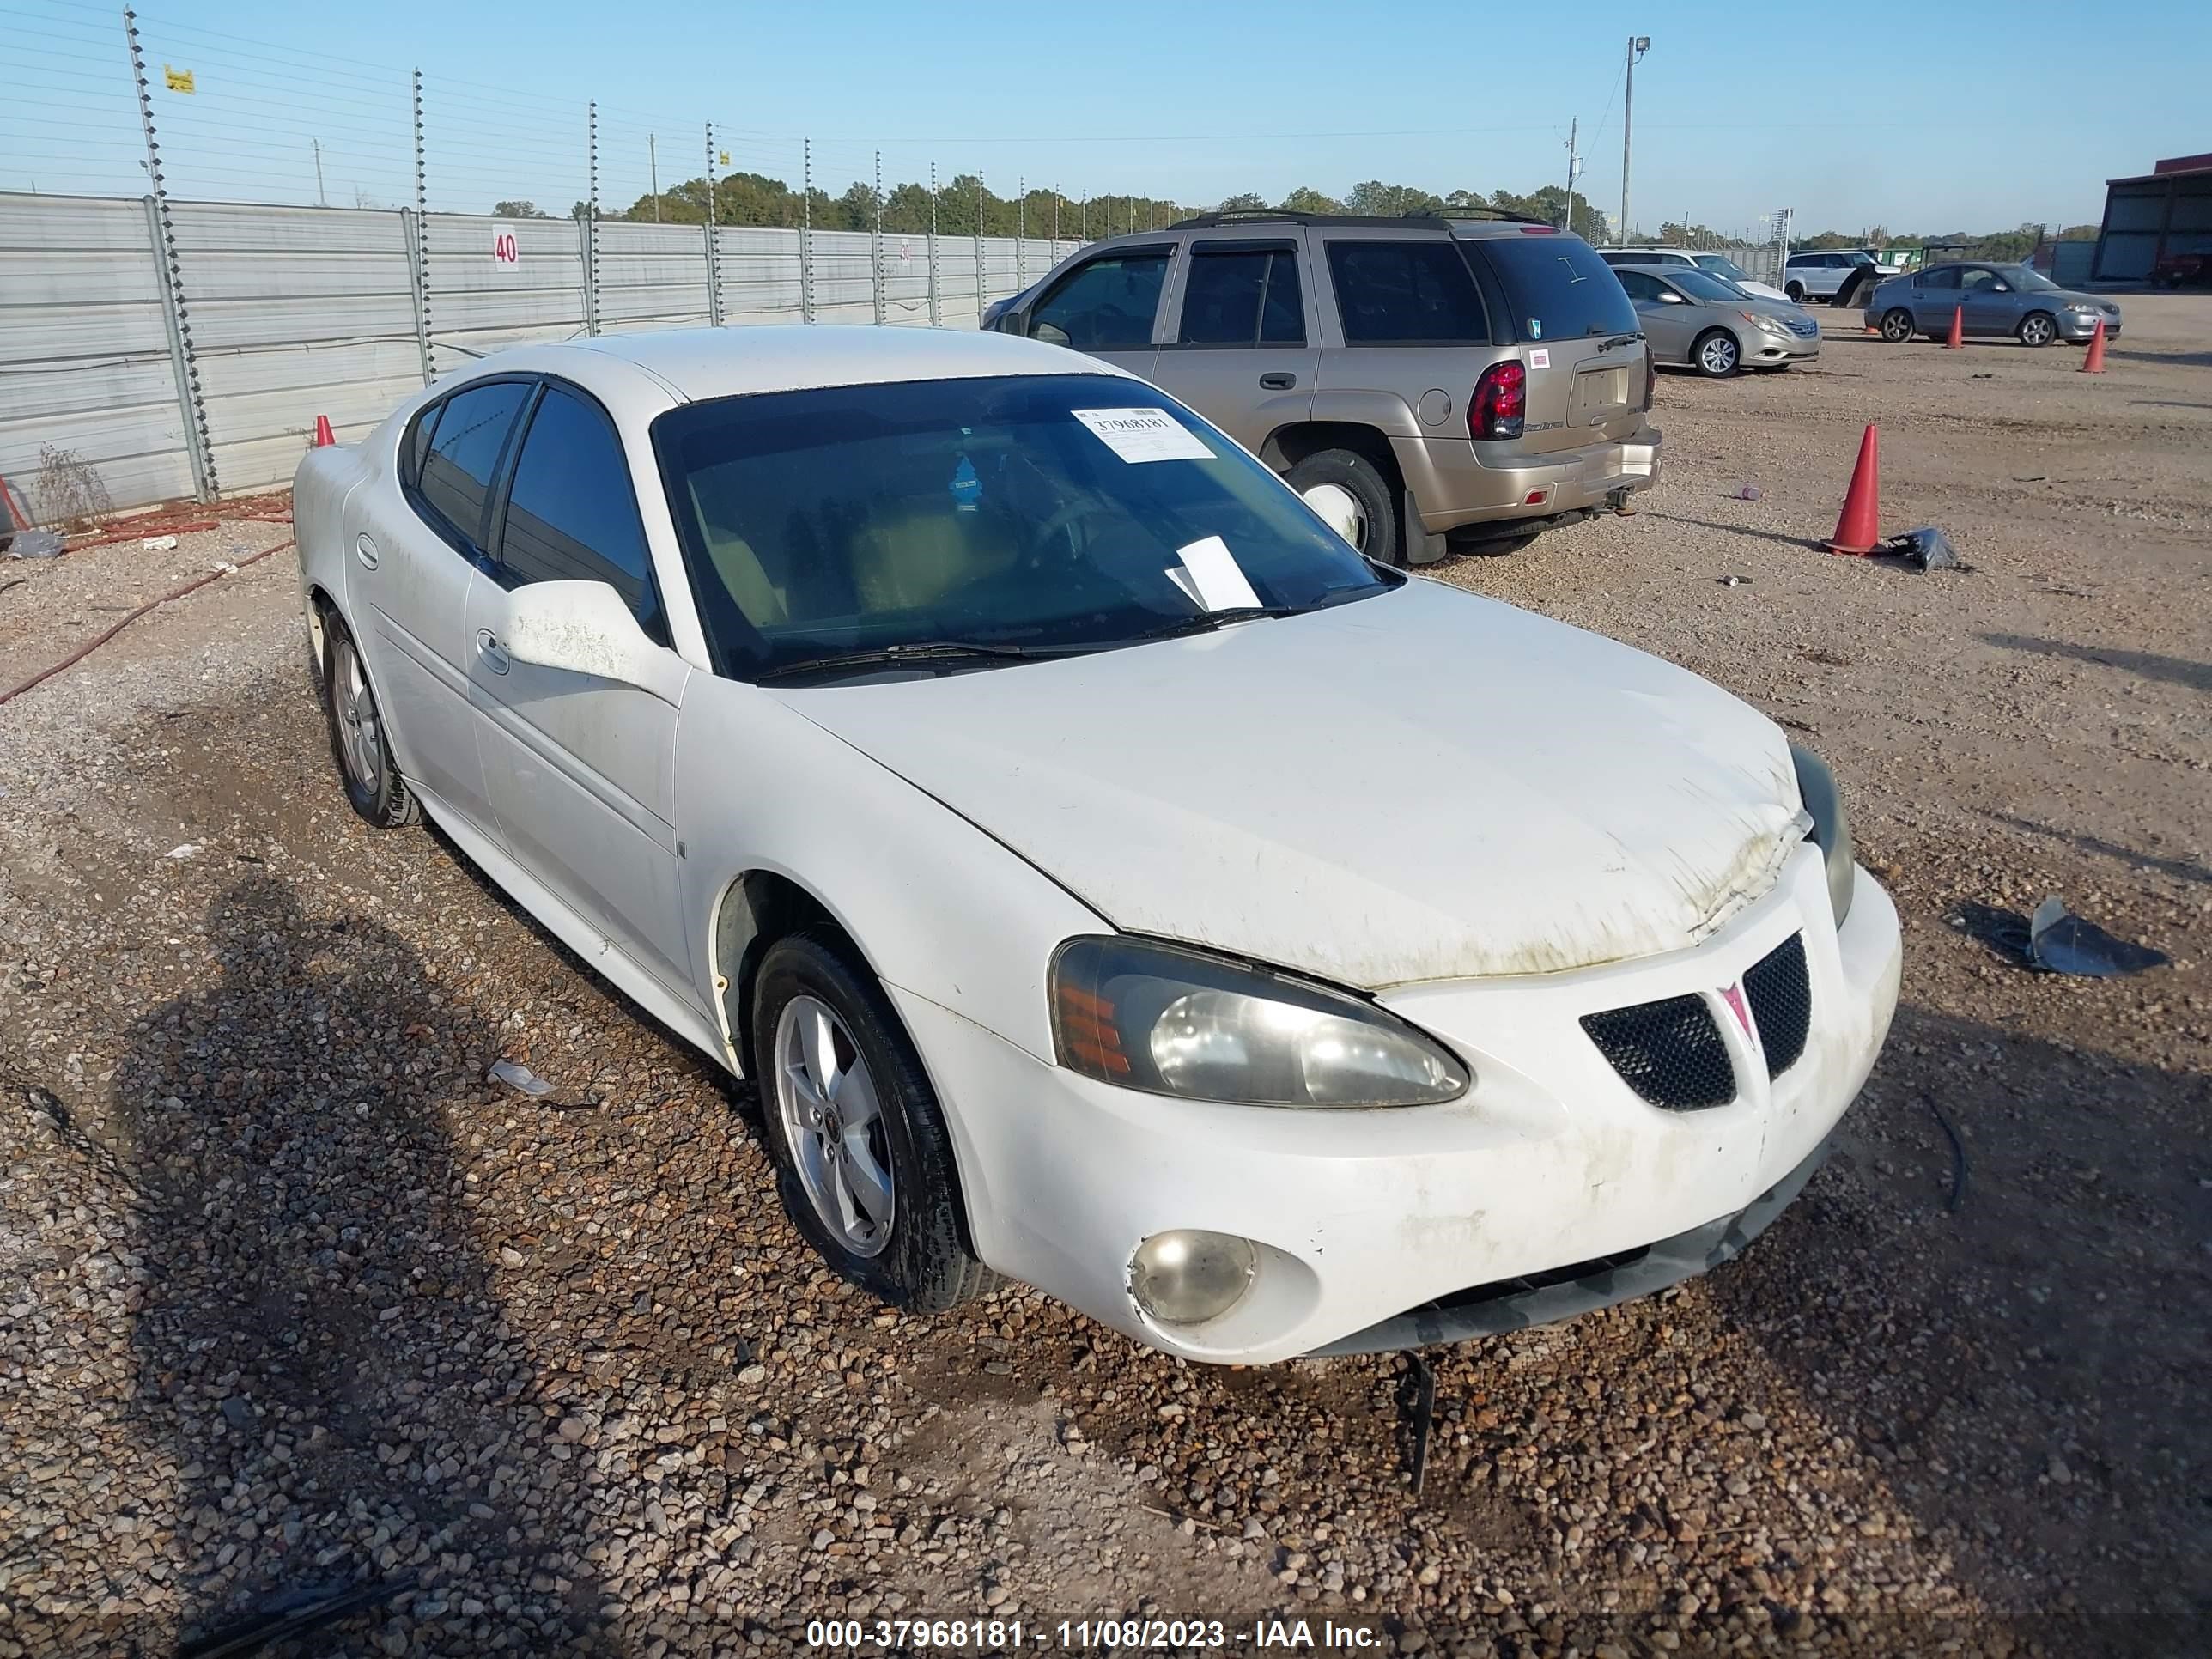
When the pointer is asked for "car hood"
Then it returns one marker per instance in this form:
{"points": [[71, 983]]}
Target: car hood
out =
{"points": [[1423, 784]]}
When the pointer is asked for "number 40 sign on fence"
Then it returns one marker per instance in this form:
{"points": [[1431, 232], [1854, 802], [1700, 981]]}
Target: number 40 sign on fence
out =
{"points": [[504, 251]]}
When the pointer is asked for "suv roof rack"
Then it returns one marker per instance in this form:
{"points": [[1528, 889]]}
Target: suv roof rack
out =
{"points": [[1293, 216]]}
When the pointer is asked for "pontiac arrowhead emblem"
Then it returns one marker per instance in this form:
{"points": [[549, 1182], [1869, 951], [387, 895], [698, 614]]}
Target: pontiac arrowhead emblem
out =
{"points": [[1733, 995]]}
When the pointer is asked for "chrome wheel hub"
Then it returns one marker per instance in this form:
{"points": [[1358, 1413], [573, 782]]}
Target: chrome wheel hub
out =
{"points": [[359, 734], [833, 1122]]}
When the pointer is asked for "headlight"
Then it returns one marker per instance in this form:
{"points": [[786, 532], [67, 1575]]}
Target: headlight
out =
{"points": [[1831, 826], [1173, 1021], [2087, 307], [1772, 324]]}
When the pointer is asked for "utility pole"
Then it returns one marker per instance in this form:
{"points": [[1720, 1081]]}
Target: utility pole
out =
{"points": [[1574, 166], [1637, 46], [321, 200], [653, 165]]}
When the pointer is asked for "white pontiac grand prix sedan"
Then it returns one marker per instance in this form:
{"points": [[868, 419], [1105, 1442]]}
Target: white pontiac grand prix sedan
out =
{"points": [[1110, 879]]}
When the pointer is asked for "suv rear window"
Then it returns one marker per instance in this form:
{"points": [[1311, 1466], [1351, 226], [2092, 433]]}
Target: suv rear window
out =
{"points": [[1406, 293], [1558, 288]]}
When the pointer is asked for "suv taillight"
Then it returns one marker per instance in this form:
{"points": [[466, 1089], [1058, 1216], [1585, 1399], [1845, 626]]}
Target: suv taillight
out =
{"points": [[1500, 401], [1651, 378]]}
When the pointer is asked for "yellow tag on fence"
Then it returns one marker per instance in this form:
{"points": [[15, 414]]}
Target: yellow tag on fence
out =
{"points": [[179, 79]]}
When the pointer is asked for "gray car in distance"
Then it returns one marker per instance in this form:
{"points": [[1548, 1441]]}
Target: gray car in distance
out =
{"points": [[1466, 382], [1696, 319], [1991, 302]]}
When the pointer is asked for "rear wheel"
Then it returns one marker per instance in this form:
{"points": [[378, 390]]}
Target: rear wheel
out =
{"points": [[1796, 293], [1897, 325], [2037, 328], [359, 742], [1716, 355], [1354, 473]]}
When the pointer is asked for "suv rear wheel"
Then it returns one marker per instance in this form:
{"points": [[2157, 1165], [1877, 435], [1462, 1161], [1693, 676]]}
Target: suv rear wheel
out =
{"points": [[1796, 293], [1354, 473]]}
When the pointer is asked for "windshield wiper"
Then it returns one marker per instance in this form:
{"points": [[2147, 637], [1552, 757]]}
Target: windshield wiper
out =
{"points": [[1207, 620], [921, 651]]}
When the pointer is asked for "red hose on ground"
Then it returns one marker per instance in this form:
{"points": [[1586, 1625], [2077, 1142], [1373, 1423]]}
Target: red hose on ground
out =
{"points": [[93, 645]]}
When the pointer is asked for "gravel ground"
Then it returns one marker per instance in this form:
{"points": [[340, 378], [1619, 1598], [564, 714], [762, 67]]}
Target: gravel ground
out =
{"points": [[290, 1297]]}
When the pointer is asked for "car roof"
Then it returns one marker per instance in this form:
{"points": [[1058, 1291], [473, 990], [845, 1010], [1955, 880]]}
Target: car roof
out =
{"points": [[698, 363]]}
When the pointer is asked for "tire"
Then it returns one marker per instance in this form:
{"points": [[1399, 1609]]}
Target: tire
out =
{"points": [[915, 1256], [359, 743], [1716, 355], [1378, 499], [2037, 328], [1796, 293], [1897, 325]]}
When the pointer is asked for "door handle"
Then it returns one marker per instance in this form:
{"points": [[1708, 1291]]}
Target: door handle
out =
{"points": [[488, 648], [1279, 381], [365, 550]]}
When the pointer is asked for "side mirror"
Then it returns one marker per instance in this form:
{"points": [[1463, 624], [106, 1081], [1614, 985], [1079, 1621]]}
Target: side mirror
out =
{"points": [[586, 628], [1668, 297], [2000, 288], [1050, 333]]}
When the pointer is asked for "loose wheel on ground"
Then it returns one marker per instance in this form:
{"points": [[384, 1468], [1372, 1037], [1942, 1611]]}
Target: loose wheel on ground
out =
{"points": [[1377, 535], [863, 1157]]}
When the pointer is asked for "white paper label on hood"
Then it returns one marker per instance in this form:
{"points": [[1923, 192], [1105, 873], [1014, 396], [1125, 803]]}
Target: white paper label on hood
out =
{"points": [[1213, 577], [1144, 435]]}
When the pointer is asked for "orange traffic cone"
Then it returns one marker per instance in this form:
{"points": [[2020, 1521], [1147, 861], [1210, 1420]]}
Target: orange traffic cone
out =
{"points": [[1860, 527], [324, 437], [1958, 329], [2094, 363]]}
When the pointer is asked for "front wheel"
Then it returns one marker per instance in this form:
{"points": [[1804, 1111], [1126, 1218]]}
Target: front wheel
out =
{"points": [[1716, 354], [1897, 325], [2037, 328], [1377, 534], [863, 1157]]}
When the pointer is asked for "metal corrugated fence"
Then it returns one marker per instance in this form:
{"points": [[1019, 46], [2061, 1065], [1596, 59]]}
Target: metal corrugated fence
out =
{"points": [[274, 315]]}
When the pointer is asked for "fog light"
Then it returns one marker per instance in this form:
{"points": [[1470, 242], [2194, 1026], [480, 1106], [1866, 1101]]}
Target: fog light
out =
{"points": [[1187, 1277]]}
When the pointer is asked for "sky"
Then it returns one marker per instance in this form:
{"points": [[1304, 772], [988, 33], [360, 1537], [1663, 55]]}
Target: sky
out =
{"points": [[1977, 114]]}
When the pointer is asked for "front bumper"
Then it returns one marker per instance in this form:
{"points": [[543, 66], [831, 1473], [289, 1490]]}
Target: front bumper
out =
{"points": [[1454, 487], [2080, 326], [1361, 1218], [1765, 350]]}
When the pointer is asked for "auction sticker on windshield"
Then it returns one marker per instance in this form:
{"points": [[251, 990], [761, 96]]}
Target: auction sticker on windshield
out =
{"points": [[1144, 435]]}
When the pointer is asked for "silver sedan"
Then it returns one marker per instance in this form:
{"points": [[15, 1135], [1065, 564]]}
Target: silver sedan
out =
{"points": [[1990, 301], [1706, 323]]}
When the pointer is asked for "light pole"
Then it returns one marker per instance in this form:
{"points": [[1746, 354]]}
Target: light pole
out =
{"points": [[1637, 46]]}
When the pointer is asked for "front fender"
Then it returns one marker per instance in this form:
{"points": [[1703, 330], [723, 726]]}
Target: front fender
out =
{"points": [[937, 906]]}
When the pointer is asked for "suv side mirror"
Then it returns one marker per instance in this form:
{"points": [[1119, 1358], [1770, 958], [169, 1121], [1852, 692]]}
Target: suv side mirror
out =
{"points": [[586, 628]]}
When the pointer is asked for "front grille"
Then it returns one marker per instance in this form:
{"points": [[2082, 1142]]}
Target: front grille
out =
{"points": [[1669, 1051], [1803, 327], [1780, 993]]}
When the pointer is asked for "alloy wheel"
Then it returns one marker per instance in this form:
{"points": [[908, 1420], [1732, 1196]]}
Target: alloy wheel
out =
{"points": [[1897, 326], [1717, 355], [2037, 331], [833, 1123], [360, 734]]}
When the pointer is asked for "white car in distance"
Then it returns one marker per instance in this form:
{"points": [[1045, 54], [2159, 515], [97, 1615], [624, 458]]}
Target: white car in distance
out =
{"points": [[1109, 879]]}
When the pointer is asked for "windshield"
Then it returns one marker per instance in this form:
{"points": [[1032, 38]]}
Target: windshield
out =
{"points": [[1052, 512], [1559, 290], [1704, 285], [1721, 266], [2027, 279]]}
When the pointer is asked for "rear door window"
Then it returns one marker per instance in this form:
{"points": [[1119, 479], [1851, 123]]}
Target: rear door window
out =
{"points": [[1241, 296], [453, 486], [1407, 294], [1557, 288], [1106, 304], [1943, 277]]}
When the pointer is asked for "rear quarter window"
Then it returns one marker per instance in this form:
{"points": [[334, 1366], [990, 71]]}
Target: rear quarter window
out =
{"points": [[1406, 293], [1557, 287]]}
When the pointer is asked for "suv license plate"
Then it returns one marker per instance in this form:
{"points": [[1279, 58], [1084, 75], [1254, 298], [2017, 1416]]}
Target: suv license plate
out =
{"points": [[1599, 388]]}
